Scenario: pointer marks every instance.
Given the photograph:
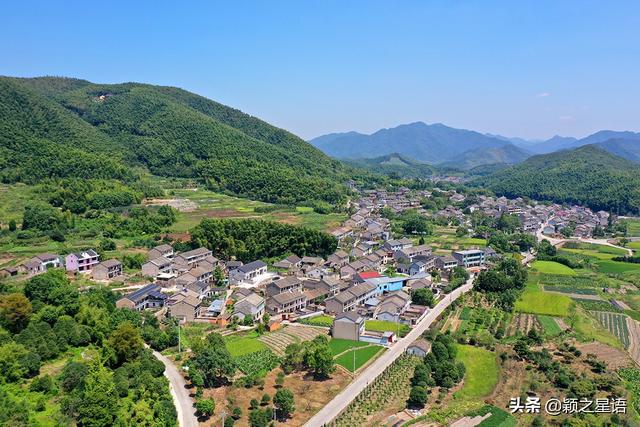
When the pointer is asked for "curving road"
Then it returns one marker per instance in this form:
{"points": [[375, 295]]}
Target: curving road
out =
{"points": [[556, 241], [332, 409], [180, 394]]}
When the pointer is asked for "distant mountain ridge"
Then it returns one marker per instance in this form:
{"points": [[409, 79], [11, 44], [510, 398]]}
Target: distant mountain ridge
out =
{"points": [[433, 144], [438, 144]]}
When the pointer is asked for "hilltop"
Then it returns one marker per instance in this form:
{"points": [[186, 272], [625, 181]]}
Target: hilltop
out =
{"points": [[587, 175], [60, 127]]}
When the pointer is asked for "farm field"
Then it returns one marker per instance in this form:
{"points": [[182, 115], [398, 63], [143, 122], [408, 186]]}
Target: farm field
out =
{"points": [[570, 290], [257, 363], [522, 323], [386, 326], [549, 325], [633, 227], [362, 356], [322, 320], [279, 340], [615, 267], [535, 301], [445, 239], [481, 372], [385, 396], [197, 204], [338, 345], [551, 267], [241, 344], [614, 323]]}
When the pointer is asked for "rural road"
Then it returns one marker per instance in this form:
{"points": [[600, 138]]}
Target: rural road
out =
{"points": [[181, 399], [555, 241], [344, 398]]}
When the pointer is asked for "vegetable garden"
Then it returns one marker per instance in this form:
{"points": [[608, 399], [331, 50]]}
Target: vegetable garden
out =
{"points": [[257, 363], [616, 324], [387, 390]]}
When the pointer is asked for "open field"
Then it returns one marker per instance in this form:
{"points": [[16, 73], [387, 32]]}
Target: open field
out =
{"points": [[199, 204], [362, 356], [535, 301], [549, 325], [481, 372], [240, 344], [615, 267], [551, 267], [522, 323], [445, 240], [633, 227], [322, 320], [387, 326], [279, 340], [570, 290], [338, 345]]}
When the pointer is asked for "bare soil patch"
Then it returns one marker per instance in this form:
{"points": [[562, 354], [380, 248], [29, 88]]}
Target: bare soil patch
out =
{"points": [[183, 205], [310, 396], [613, 357]]}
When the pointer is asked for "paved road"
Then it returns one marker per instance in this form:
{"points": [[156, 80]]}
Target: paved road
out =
{"points": [[181, 399], [555, 241], [342, 400]]}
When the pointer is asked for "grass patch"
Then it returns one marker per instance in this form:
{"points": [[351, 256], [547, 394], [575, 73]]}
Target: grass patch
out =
{"points": [[322, 320], [549, 325], [362, 356], [387, 326], [588, 329], [338, 345], [535, 301], [239, 345], [552, 267], [481, 374], [614, 267]]}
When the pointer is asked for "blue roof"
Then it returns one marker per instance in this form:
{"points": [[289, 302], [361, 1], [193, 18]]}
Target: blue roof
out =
{"points": [[151, 290], [216, 305]]}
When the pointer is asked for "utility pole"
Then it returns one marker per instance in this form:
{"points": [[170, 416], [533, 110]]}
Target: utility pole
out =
{"points": [[223, 414]]}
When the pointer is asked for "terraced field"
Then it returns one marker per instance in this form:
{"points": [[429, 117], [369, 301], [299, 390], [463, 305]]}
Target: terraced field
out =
{"points": [[279, 340], [522, 323], [616, 324]]}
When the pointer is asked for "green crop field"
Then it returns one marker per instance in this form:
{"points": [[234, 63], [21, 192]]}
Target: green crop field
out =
{"points": [[481, 374], [322, 320], [614, 267], [633, 227], [239, 345], [338, 345], [386, 326], [551, 267], [362, 356], [634, 245], [570, 290], [549, 325], [616, 324], [535, 301]]}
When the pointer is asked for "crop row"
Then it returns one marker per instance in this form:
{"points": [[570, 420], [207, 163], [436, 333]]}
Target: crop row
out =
{"points": [[259, 361], [616, 324]]}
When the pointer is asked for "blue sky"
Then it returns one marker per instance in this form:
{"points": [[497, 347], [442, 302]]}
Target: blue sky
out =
{"points": [[526, 68]]}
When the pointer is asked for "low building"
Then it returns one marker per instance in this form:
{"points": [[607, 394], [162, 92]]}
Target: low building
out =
{"points": [[157, 266], [107, 270], [161, 250], [252, 306], [470, 258], [147, 297], [419, 347], [248, 271], [348, 326], [387, 284], [82, 262], [446, 262], [351, 298], [184, 305], [290, 262], [287, 302], [40, 263], [338, 259], [285, 284], [191, 258]]}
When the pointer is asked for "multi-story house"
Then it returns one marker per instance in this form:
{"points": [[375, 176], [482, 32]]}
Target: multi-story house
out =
{"points": [[82, 262]]}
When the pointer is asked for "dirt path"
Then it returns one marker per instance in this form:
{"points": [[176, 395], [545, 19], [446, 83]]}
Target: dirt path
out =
{"points": [[634, 339]]}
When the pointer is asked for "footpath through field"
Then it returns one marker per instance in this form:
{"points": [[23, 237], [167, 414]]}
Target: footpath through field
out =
{"points": [[343, 399]]}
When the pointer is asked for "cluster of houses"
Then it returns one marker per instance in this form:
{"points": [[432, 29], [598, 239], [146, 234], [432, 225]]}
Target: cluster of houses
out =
{"points": [[83, 262]]}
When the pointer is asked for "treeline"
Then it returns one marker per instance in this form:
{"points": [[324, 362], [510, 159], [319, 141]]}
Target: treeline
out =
{"points": [[116, 382], [250, 239], [436, 369]]}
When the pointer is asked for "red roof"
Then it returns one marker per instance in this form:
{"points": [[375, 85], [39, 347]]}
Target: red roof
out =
{"points": [[369, 274]]}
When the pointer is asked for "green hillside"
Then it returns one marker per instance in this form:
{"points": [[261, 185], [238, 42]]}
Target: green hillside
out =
{"points": [[57, 127], [587, 175], [396, 165]]}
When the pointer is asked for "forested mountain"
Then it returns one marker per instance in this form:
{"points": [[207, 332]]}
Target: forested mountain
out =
{"points": [[58, 127], [626, 148], [433, 144], [396, 165], [507, 154], [587, 175]]}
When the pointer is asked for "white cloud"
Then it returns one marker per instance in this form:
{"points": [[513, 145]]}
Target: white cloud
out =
{"points": [[543, 95], [567, 118]]}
